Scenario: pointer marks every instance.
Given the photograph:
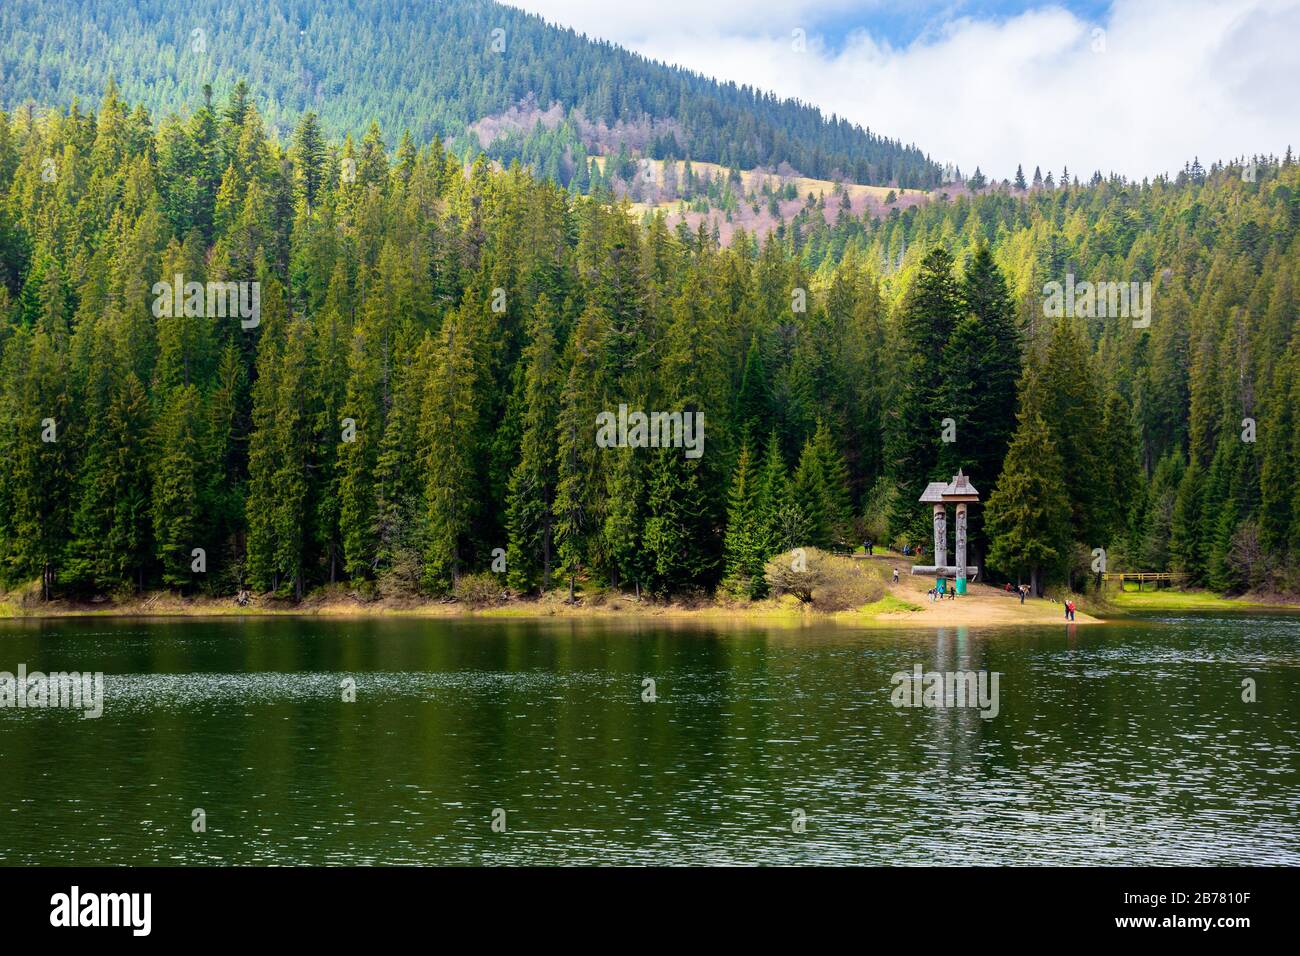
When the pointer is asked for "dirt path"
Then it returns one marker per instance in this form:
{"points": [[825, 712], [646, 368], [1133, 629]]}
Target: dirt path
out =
{"points": [[980, 605]]}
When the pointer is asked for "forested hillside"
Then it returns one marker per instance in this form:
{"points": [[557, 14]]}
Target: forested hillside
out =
{"points": [[432, 67], [434, 345]]}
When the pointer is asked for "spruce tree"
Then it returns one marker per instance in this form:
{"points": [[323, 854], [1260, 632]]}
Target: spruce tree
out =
{"points": [[783, 523], [812, 495], [309, 159], [1185, 552], [1125, 491], [1028, 514], [622, 544], [745, 547], [448, 426], [1067, 393], [837, 505], [577, 463], [398, 481], [929, 313], [364, 405], [295, 420], [530, 501], [175, 487], [264, 463], [754, 401]]}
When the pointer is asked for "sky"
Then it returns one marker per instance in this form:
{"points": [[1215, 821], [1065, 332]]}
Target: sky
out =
{"points": [[1137, 87]]}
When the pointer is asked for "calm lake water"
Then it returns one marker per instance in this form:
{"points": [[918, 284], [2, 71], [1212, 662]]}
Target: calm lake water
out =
{"points": [[1115, 744]]}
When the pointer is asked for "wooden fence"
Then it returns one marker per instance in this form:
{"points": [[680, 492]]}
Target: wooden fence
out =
{"points": [[1143, 578]]}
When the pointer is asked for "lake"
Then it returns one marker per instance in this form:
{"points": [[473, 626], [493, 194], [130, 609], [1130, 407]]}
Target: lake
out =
{"points": [[488, 741]]}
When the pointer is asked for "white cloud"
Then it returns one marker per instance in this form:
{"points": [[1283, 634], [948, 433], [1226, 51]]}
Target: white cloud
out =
{"points": [[1176, 79]]}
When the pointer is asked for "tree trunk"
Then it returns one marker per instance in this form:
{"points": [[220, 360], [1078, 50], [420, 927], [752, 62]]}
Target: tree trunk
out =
{"points": [[1033, 581]]}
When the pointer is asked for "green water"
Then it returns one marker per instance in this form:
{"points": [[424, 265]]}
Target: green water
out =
{"points": [[1115, 744]]}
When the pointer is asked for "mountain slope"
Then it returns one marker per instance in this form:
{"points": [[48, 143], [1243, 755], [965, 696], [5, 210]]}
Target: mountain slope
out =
{"points": [[432, 68]]}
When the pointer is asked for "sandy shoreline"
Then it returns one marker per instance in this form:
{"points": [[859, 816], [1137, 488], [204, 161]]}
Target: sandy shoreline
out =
{"points": [[905, 604]]}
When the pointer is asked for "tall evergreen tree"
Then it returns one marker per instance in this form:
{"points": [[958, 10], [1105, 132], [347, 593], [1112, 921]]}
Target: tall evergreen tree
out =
{"points": [[175, 492], [309, 159], [1028, 515], [783, 523], [745, 545], [530, 516], [929, 313], [449, 421]]}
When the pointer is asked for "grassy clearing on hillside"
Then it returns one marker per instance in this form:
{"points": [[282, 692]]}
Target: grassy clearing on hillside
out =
{"points": [[863, 200]]}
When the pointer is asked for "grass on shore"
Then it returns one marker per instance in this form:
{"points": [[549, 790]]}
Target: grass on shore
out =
{"points": [[1168, 599], [886, 605]]}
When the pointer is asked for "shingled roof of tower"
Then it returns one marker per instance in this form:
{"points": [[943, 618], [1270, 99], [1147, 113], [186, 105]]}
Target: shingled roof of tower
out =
{"points": [[933, 493], [960, 486]]}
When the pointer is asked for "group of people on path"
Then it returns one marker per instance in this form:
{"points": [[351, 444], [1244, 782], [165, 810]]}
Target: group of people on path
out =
{"points": [[1023, 589]]}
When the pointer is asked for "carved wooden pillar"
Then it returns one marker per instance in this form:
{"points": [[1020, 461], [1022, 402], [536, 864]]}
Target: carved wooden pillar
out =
{"points": [[961, 547], [940, 535]]}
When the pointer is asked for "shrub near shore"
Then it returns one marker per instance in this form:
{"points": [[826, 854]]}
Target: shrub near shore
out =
{"points": [[826, 582]]}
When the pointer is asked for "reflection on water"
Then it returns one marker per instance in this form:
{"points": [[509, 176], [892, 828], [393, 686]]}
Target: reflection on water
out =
{"points": [[1116, 744]]}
